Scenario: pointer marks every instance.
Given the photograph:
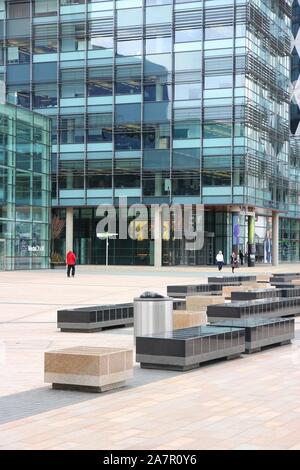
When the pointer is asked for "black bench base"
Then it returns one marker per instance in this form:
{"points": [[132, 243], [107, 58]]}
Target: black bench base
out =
{"points": [[251, 350]]}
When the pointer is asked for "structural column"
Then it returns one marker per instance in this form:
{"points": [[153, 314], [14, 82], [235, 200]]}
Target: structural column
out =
{"points": [[157, 236], [275, 238], [251, 240], [69, 229], [235, 232]]}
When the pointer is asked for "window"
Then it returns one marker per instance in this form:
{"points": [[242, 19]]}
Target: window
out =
{"points": [[73, 37], [18, 51], [188, 91], [72, 83], [156, 136], [99, 128], [18, 9], [100, 81], [127, 173], [99, 174], [128, 137], [188, 35], [186, 130], [220, 81], [45, 39], [45, 7], [45, 96], [71, 174], [72, 130]]}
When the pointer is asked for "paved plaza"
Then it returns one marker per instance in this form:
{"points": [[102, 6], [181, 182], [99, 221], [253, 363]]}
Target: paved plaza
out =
{"points": [[247, 403]]}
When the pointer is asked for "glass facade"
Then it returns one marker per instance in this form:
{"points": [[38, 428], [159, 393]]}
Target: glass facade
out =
{"points": [[25, 150], [164, 101]]}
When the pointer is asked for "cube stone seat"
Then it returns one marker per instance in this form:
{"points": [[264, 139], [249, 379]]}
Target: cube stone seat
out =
{"points": [[89, 369], [188, 319], [199, 302]]}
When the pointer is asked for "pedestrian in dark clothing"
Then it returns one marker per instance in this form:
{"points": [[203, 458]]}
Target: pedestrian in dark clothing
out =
{"points": [[234, 261], [241, 257], [71, 262]]}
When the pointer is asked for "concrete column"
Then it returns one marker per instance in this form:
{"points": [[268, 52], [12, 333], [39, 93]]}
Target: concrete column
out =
{"points": [[157, 237], [275, 238], [158, 184], [235, 232], [69, 229], [251, 241]]}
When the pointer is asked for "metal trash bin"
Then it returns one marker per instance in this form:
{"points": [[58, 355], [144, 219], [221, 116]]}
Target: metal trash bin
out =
{"points": [[153, 313]]}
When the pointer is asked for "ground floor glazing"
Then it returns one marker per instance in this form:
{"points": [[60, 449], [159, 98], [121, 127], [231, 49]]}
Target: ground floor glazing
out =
{"points": [[223, 230]]}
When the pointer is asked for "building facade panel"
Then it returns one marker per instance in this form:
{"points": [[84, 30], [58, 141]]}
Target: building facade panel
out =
{"points": [[25, 150], [165, 101]]}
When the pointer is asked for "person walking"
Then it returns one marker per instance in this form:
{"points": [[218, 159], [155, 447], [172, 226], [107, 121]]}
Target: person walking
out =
{"points": [[71, 262], [220, 260], [241, 257], [234, 262]]}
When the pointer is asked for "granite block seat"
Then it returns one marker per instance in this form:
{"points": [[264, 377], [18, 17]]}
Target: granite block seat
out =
{"points": [[274, 307], [88, 368], [188, 319], [284, 277], [233, 278], [188, 348], [200, 302], [182, 291], [263, 277], [254, 294], [282, 285], [262, 332], [289, 292], [95, 318]]}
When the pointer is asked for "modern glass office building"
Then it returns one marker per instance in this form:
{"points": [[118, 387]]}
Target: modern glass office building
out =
{"points": [[162, 101], [25, 151]]}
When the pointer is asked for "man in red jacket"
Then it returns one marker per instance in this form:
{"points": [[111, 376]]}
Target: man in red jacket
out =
{"points": [[71, 261]]}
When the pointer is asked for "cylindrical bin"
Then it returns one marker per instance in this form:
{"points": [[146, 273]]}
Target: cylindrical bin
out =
{"points": [[153, 313]]}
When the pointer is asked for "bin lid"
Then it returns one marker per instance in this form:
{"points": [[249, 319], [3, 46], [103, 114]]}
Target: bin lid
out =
{"points": [[153, 296]]}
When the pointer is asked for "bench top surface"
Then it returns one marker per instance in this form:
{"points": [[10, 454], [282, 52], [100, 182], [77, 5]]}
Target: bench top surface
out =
{"points": [[88, 351]]}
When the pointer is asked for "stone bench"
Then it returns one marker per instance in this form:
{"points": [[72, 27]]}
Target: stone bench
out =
{"points": [[253, 294], [265, 308], [89, 369], [95, 318], [228, 279], [188, 319], [183, 291], [229, 290], [262, 332], [188, 348]]}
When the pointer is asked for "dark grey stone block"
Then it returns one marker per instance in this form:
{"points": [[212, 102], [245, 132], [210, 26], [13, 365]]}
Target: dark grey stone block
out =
{"points": [[95, 318], [194, 289], [226, 279], [256, 294], [276, 307], [187, 348], [262, 332]]}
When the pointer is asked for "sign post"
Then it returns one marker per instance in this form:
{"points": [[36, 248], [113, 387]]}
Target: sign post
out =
{"points": [[106, 236]]}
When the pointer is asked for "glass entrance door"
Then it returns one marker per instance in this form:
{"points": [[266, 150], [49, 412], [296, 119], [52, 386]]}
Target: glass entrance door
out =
{"points": [[2, 255]]}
